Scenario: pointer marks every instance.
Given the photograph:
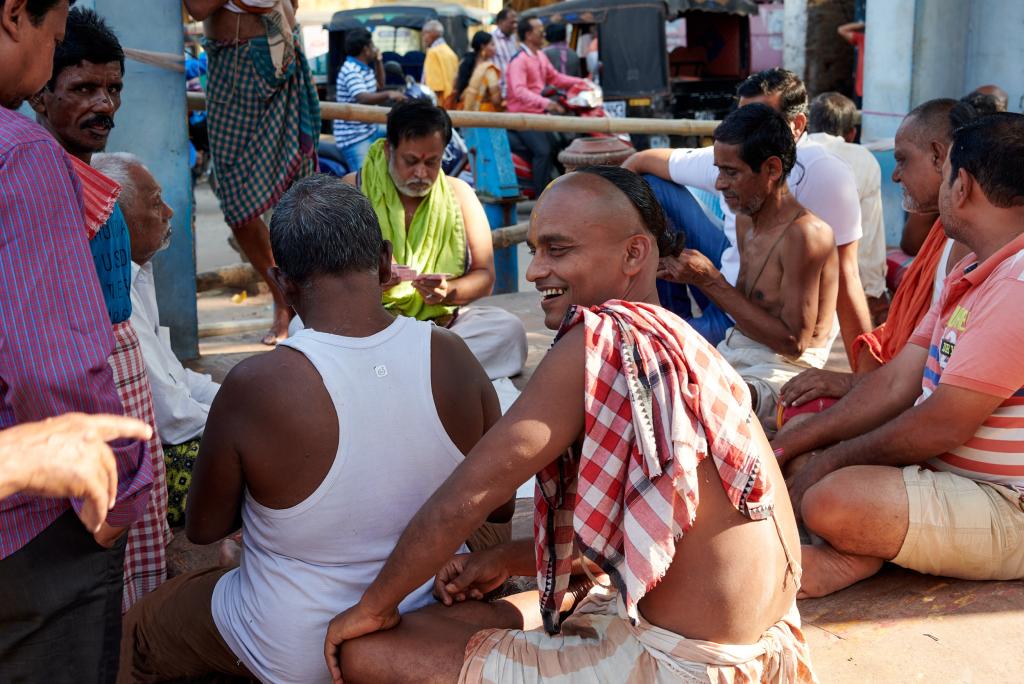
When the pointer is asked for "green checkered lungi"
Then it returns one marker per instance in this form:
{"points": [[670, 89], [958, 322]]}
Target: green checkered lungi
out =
{"points": [[263, 129], [180, 460]]}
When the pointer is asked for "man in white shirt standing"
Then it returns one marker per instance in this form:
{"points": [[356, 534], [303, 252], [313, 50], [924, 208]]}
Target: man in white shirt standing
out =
{"points": [[181, 397], [832, 124], [821, 182]]}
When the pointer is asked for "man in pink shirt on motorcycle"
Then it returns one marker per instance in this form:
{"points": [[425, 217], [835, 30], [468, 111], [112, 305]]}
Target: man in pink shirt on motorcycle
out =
{"points": [[529, 73]]}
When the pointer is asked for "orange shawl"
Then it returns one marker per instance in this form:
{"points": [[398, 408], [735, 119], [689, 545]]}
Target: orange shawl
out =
{"points": [[909, 305]]}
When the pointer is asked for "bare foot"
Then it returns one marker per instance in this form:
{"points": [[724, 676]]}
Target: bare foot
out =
{"points": [[826, 571], [279, 330], [230, 552]]}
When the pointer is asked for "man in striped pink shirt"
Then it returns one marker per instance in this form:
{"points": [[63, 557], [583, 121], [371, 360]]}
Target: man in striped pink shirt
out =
{"points": [[59, 583], [926, 467]]}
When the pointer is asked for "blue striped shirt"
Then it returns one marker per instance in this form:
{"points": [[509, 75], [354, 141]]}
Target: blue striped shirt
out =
{"points": [[354, 78], [55, 335]]}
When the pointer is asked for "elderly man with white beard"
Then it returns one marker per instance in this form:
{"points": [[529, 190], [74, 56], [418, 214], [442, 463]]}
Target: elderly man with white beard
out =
{"points": [[443, 256], [181, 397]]}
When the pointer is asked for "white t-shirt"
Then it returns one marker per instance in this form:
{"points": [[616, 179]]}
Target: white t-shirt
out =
{"points": [[821, 182], [871, 250], [181, 397]]}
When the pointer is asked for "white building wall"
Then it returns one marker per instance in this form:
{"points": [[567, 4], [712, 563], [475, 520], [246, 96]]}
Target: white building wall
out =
{"points": [[921, 49]]}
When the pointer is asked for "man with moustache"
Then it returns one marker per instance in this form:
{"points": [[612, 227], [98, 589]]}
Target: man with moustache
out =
{"points": [[820, 181], [922, 463], [784, 300], [78, 106], [181, 397], [922, 142], [60, 583], [438, 228]]}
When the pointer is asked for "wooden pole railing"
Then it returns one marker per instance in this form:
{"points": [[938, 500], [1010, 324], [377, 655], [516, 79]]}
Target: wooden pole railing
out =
{"points": [[516, 122]]}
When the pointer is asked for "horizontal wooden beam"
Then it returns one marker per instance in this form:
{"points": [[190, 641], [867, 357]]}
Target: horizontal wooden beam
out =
{"points": [[516, 121], [241, 276]]}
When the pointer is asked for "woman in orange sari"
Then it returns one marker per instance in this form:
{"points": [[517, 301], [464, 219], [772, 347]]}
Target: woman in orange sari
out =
{"points": [[478, 82]]}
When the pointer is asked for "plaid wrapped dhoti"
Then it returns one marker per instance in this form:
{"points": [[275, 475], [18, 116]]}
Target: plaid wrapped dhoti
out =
{"points": [[658, 400], [598, 643], [145, 556], [263, 127]]}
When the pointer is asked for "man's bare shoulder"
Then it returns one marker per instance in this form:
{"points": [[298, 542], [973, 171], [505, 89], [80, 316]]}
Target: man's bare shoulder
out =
{"points": [[809, 231], [463, 192], [268, 382], [349, 178], [451, 352]]}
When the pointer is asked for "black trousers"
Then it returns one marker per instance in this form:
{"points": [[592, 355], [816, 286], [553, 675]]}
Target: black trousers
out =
{"points": [[539, 148], [60, 607]]}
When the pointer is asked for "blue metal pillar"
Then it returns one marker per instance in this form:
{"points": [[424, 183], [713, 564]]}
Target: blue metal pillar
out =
{"points": [[152, 124], [498, 190]]}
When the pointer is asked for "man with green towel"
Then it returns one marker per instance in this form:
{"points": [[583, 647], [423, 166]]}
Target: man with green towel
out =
{"points": [[440, 234]]}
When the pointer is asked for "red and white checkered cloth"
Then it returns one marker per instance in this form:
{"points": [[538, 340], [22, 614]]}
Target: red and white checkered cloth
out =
{"points": [[658, 399], [145, 556]]}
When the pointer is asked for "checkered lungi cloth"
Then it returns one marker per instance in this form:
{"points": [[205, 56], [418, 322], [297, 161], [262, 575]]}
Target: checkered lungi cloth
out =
{"points": [[263, 128], [145, 556]]}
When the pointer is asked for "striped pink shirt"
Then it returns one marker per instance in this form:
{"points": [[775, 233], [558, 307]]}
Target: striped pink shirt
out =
{"points": [[55, 334], [973, 335]]}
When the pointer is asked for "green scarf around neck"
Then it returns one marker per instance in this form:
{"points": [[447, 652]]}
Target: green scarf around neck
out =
{"points": [[434, 243]]}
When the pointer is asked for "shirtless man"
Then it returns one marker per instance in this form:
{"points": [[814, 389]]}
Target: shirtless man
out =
{"points": [[371, 413], [259, 88], [784, 300], [728, 579]]}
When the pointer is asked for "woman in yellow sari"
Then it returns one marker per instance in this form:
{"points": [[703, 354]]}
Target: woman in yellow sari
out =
{"points": [[479, 78]]}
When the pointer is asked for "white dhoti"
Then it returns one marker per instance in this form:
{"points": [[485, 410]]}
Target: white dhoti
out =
{"points": [[766, 371], [598, 643], [497, 339]]}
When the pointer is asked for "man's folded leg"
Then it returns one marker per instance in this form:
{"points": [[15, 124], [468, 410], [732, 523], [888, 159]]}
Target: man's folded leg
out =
{"points": [[961, 527], [170, 633], [429, 645]]}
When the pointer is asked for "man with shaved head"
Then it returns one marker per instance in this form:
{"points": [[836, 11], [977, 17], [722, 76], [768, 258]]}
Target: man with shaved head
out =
{"points": [[648, 461]]}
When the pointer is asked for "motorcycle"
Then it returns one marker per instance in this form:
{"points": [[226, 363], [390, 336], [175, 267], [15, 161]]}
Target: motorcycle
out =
{"points": [[583, 99]]}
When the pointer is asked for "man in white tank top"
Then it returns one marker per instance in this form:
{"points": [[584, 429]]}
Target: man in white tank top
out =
{"points": [[321, 450]]}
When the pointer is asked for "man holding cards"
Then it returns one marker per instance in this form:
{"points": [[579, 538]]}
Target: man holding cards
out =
{"points": [[442, 242]]}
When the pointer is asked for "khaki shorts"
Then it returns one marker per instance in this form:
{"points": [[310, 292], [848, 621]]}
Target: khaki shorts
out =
{"points": [[962, 528]]}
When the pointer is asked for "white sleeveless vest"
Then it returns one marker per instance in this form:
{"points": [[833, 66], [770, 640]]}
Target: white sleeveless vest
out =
{"points": [[303, 565]]}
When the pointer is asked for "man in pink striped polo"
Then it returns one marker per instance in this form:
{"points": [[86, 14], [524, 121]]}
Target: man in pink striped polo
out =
{"points": [[926, 467]]}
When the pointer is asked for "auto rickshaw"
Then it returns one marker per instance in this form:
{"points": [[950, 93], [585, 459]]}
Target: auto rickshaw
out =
{"points": [[638, 73], [396, 32]]}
